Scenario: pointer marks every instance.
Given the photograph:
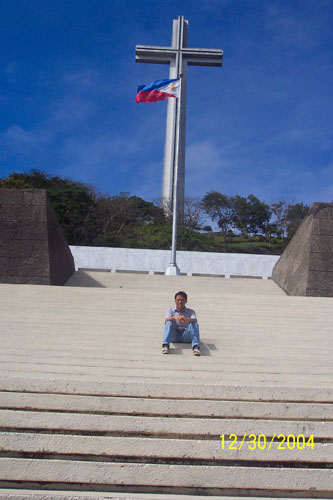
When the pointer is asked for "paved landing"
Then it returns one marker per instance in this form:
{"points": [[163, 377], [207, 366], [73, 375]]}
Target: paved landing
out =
{"points": [[252, 334]]}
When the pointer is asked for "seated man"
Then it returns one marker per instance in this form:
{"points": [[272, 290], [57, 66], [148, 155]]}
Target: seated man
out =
{"points": [[181, 325]]}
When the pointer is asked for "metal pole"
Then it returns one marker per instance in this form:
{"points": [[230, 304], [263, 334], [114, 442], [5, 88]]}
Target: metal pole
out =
{"points": [[173, 269]]}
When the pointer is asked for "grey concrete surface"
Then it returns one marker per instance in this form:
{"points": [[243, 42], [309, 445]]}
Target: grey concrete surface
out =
{"points": [[87, 399], [306, 265], [209, 450], [166, 407], [278, 479], [134, 425], [81, 495], [33, 248], [252, 334], [145, 260], [159, 389]]}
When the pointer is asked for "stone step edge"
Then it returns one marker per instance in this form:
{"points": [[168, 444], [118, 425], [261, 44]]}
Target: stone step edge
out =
{"points": [[21, 494], [173, 427], [163, 390], [129, 449], [115, 405], [148, 371], [163, 380], [186, 478]]}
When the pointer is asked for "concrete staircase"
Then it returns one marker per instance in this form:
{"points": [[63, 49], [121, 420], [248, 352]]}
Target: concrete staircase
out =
{"points": [[89, 408]]}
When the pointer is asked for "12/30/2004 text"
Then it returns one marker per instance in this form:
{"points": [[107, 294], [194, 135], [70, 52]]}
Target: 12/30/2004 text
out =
{"points": [[289, 442]]}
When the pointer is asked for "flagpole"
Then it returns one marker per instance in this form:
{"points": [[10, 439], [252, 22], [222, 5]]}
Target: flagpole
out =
{"points": [[173, 269]]}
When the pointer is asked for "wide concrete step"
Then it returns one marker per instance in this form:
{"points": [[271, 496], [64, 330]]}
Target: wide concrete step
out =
{"points": [[173, 426], [180, 359], [21, 494], [159, 450], [143, 445], [88, 357], [179, 477], [146, 389], [93, 442], [123, 374], [166, 407]]}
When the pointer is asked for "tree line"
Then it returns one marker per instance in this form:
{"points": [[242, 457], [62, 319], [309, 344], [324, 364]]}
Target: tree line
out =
{"points": [[250, 216], [94, 219]]}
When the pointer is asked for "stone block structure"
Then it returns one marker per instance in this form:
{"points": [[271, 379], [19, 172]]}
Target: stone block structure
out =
{"points": [[33, 249], [306, 266]]}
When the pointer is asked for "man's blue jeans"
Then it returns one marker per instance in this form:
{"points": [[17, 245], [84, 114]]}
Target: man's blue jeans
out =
{"points": [[191, 334]]}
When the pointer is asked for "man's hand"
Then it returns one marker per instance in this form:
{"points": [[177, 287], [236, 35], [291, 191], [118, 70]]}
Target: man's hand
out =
{"points": [[182, 319]]}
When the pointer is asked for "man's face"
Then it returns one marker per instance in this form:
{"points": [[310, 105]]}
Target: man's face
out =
{"points": [[180, 302]]}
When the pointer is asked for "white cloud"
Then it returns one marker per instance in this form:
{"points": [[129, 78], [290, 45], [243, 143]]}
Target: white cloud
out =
{"points": [[23, 142], [69, 113], [64, 116], [205, 156]]}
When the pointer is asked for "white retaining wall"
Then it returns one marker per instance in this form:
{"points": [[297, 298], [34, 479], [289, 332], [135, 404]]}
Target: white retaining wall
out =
{"points": [[132, 259]]}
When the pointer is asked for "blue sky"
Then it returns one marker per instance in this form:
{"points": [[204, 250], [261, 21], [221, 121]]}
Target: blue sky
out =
{"points": [[261, 124]]}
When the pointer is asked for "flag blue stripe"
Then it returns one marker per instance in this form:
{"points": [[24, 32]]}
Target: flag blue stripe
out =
{"points": [[155, 85]]}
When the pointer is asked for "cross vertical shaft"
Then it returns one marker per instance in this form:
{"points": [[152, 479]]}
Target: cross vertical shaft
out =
{"points": [[178, 56]]}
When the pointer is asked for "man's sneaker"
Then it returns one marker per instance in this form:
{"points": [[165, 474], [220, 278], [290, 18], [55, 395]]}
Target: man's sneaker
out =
{"points": [[165, 349], [196, 350]]}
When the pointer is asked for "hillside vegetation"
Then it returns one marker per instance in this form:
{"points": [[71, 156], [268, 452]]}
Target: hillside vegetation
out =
{"points": [[245, 225]]}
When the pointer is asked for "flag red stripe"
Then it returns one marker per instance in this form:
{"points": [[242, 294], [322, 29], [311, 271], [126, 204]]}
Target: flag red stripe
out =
{"points": [[152, 96]]}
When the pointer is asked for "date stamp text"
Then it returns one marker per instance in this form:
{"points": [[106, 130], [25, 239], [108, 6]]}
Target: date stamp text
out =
{"points": [[253, 442]]}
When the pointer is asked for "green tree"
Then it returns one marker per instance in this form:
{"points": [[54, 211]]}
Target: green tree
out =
{"points": [[271, 229], [193, 213], [117, 218], [251, 215], [241, 213], [73, 205], [279, 210], [159, 237], [86, 217], [295, 215], [72, 201], [220, 209]]}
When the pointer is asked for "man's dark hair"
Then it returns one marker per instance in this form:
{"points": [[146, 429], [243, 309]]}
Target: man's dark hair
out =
{"points": [[182, 294]]}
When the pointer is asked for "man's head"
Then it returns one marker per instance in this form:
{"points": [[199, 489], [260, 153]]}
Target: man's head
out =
{"points": [[180, 300]]}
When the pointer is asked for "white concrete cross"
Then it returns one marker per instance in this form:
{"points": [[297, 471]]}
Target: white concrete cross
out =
{"points": [[178, 56]]}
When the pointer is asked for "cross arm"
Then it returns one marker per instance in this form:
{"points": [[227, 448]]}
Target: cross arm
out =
{"points": [[150, 54], [203, 57]]}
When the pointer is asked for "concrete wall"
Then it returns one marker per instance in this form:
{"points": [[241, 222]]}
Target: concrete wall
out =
{"points": [[228, 264], [33, 249], [306, 265]]}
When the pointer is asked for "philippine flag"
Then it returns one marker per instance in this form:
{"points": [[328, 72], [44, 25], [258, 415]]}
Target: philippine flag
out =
{"points": [[158, 90]]}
